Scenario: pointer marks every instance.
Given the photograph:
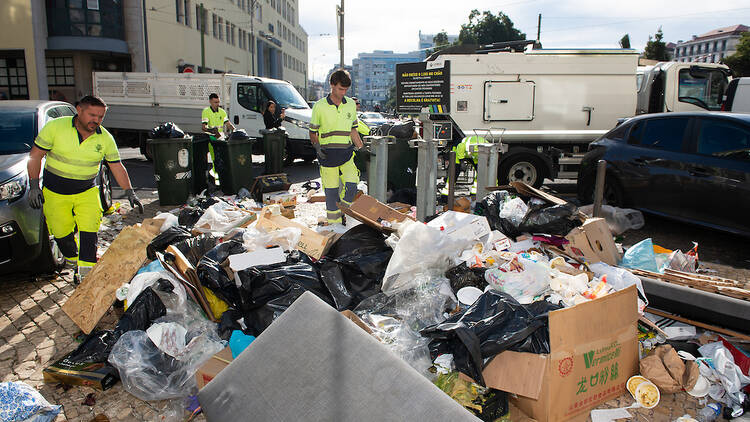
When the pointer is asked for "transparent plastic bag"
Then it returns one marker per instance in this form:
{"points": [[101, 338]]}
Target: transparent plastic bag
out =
{"points": [[514, 209], [725, 372], [221, 217], [147, 279], [619, 220], [619, 279], [287, 238], [531, 281]]}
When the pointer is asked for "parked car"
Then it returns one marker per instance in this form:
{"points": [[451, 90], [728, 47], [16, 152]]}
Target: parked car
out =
{"points": [[737, 97], [372, 119], [25, 243], [692, 166]]}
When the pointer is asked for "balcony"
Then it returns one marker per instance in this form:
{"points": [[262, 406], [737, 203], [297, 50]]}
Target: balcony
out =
{"points": [[90, 25]]}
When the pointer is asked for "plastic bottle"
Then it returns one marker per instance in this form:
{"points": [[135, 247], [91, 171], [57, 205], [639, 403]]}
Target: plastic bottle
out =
{"points": [[709, 413]]}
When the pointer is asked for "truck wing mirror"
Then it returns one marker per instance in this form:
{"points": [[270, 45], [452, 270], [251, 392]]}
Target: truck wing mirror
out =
{"points": [[236, 119]]}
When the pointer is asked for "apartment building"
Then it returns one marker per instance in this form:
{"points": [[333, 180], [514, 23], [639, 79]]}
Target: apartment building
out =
{"points": [[710, 47]]}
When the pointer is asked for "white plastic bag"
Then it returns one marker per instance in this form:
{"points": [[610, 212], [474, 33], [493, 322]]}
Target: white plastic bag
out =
{"points": [[287, 238], [421, 247], [169, 220], [147, 279], [725, 372], [532, 281], [221, 217], [619, 279], [619, 220], [514, 210]]}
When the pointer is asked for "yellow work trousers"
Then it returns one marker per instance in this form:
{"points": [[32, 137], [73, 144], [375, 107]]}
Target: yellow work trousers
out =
{"points": [[66, 212], [344, 177]]}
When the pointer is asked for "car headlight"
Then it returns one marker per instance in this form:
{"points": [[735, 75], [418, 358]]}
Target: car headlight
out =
{"points": [[13, 188]]}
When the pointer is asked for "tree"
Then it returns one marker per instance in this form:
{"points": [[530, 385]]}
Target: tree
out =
{"points": [[486, 28], [625, 41], [440, 41], [739, 62], [656, 49], [390, 99]]}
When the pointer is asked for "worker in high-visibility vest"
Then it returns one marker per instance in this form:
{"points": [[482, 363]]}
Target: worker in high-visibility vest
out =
{"points": [[333, 133], [214, 120], [75, 148], [464, 152]]}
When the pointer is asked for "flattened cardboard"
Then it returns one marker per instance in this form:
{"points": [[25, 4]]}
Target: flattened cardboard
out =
{"points": [[312, 243], [212, 367], [593, 242], [372, 212], [117, 266], [594, 350]]}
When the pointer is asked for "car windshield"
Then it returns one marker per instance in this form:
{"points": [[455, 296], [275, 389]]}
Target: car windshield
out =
{"points": [[373, 116], [16, 131], [285, 95]]}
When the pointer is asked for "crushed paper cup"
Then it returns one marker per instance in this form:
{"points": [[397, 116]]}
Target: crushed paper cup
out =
{"points": [[468, 295], [701, 387]]}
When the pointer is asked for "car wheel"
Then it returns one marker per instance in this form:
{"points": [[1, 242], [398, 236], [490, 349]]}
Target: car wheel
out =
{"points": [[522, 168], [105, 188], [50, 258]]}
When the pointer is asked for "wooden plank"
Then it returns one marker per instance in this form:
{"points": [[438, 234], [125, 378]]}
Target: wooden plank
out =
{"points": [[117, 266], [699, 324]]}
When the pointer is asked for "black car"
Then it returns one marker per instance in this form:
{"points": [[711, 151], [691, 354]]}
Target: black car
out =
{"points": [[693, 167]]}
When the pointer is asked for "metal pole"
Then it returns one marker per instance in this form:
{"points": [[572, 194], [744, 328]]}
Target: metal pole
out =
{"points": [[601, 173], [486, 168], [203, 41], [539, 28], [341, 35], [145, 38], [252, 37], [377, 174], [427, 173], [451, 179]]}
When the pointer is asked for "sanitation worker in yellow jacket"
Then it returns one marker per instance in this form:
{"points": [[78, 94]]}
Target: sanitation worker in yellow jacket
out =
{"points": [[75, 148]]}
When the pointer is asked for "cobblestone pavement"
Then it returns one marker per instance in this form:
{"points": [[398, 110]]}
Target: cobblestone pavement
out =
{"points": [[34, 332]]}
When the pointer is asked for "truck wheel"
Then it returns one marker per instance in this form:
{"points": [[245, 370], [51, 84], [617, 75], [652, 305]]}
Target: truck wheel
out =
{"points": [[105, 188], [522, 168], [50, 258]]}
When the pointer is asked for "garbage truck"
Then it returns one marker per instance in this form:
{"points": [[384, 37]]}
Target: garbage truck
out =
{"points": [[547, 105], [140, 101]]}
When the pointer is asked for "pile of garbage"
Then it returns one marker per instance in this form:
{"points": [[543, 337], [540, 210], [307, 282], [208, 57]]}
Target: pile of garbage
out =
{"points": [[464, 299]]}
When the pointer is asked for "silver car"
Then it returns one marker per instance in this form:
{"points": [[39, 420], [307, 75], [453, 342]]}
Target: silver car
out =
{"points": [[25, 243]]}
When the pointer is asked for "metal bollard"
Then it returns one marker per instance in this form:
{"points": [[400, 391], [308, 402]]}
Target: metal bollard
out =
{"points": [[427, 159], [377, 174], [486, 168], [451, 179], [601, 173]]}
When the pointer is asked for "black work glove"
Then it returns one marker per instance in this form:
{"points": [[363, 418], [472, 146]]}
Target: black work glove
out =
{"points": [[36, 199], [134, 201], [321, 154]]}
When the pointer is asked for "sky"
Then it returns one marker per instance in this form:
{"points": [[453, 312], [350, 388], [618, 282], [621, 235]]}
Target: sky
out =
{"points": [[395, 24]]}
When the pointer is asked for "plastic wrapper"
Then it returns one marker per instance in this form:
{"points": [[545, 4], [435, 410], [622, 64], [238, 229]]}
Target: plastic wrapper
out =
{"points": [[420, 247], [22, 402], [189, 216], [494, 323], [166, 130], [556, 219], [171, 235], [463, 276], [287, 238], [267, 291], [353, 268], [195, 247], [641, 256], [619, 279], [212, 275], [149, 374], [726, 376]]}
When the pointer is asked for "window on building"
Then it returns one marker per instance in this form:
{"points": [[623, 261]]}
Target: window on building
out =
{"points": [[259, 13], [273, 3], [724, 45], [60, 71], [221, 28], [229, 33], [233, 34], [241, 39], [13, 84], [215, 25], [283, 10], [179, 10], [270, 28]]}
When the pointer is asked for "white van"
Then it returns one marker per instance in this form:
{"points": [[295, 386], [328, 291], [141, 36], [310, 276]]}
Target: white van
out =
{"points": [[737, 97]]}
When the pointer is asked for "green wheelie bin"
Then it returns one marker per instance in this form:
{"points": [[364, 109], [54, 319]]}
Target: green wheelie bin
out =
{"points": [[234, 162], [274, 144], [177, 162]]}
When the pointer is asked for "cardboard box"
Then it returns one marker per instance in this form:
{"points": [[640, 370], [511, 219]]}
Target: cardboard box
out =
{"points": [[311, 242], [97, 375], [594, 350], [593, 242], [212, 367], [373, 213]]}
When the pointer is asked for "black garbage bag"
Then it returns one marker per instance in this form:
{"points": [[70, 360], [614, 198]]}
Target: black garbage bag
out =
{"points": [[140, 314], [557, 219], [195, 247], [353, 268], [168, 237], [268, 290], [229, 322], [404, 195], [464, 276], [239, 135], [494, 323], [189, 216], [403, 130], [166, 130], [212, 275], [490, 207]]}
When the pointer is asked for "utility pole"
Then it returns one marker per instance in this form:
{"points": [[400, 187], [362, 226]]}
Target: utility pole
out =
{"points": [[539, 28], [340, 21], [203, 41], [253, 3], [145, 37]]}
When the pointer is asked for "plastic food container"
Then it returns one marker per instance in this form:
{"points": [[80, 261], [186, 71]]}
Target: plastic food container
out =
{"points": [[645, 393]]}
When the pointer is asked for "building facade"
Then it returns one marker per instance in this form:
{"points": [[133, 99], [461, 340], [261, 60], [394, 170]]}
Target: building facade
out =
{"points": [[710, 47], [375, 73], [49, 48]]}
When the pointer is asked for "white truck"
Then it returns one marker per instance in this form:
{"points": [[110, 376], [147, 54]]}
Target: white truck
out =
{"points": [[140, 101], [547, 105]]}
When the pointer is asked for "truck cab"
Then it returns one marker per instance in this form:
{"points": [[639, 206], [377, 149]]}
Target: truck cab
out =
{"points": [[678, 86]]}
